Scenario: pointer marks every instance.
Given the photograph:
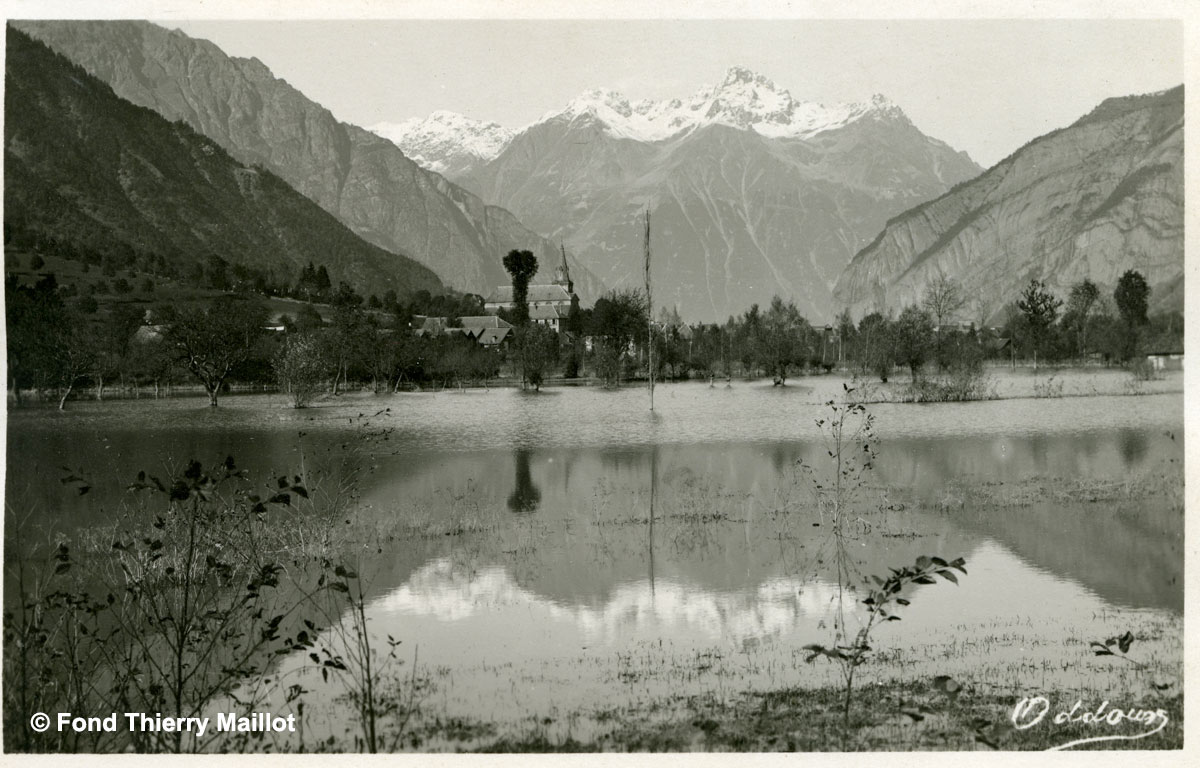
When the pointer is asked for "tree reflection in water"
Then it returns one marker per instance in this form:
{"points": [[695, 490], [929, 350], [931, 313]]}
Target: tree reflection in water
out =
{"points": [[526, 496]]}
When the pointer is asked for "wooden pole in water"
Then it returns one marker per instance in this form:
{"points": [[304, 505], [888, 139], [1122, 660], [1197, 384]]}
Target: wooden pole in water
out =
{"points": [[649, 314]]}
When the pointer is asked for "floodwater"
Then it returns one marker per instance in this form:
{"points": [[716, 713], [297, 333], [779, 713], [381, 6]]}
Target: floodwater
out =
{"points": [[590, 555]]}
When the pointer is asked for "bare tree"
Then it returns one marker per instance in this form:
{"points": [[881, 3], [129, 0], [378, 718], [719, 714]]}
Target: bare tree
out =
{"points": [[75, 354], [984, 304], [212, 340], [943, 297], [301, 368]]}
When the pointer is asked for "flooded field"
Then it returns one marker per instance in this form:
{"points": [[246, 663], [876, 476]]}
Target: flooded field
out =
{"points": [[562, 564]]}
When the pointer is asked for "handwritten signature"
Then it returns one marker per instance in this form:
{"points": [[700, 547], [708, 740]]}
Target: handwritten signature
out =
{"points": [[1032, 710]]}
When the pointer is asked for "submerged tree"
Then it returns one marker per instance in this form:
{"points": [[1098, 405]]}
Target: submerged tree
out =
{"points": [[784, 340], [74, 354], [911, 336], [1132, 296], [115, 338], [1080, 303], [301, 368], [942, 299], [33, 315], [874, 349], [537, 349], [347, 338], [212, 340], [521, 266], [618, 318], [1039, 308]]}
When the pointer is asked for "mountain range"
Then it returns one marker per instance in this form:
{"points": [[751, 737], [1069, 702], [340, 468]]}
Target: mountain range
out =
{"points": [[1090, 200], [752, 192], [363, 180], [98, 174]]}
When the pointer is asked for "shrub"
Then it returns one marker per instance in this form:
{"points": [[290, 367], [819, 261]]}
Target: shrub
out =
{"points": [[301, 368], [1048, 388], [1143, 370], [959, 385], [164, 614]]}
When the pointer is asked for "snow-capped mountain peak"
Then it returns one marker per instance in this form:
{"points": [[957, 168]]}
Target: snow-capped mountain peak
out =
{"points": [[600, 100], [444, 138], [744, 99], [447, 142], [737, 74]]}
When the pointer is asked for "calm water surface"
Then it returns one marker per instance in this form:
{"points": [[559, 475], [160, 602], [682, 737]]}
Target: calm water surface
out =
{"points": [[571, 601]]}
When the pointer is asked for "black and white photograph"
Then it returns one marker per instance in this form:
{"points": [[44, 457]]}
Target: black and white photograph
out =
{"points": [[595, 378]]}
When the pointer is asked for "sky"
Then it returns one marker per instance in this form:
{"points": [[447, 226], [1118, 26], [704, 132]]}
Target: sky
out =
{"points": [[983, 86]]}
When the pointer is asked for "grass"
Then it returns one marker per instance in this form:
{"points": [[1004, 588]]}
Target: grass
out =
{"points": [[911, 713], [916, 716], [998, 384], [1036, 490]]}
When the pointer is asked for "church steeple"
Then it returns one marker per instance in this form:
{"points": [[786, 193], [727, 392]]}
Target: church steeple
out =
{"points": [[562, 275]]}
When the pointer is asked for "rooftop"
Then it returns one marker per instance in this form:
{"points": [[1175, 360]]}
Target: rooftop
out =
{"points": [[485, 321], [490, 336], [536, 293]]}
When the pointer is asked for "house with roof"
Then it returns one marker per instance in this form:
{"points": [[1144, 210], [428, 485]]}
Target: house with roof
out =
{"points": [[1169, 359], [488, 330], [548, 315], [433, 326]]}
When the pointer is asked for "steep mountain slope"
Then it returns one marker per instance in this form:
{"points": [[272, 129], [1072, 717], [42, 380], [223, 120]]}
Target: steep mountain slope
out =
{"points": [[362, 179], [751, 192], [95, 172], [1091, 200]]}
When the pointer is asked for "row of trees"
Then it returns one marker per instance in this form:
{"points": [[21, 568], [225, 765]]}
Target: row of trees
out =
{"points": [[52, 345], [55, 344], [1041, 326], [1089, 324], [145, 275]]}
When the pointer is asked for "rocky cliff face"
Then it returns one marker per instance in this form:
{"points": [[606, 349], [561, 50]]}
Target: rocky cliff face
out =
{"points": [[363, 180], [1091, 200], [751, 192]]}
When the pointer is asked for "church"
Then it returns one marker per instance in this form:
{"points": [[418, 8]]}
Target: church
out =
{"points": [[549, 303]]}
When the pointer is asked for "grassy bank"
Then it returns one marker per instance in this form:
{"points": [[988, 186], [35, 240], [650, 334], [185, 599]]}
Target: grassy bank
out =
{"points": [[897, 716]]}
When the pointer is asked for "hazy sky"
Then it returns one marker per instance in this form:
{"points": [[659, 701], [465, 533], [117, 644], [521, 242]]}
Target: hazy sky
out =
{"points": [[986, 87]]}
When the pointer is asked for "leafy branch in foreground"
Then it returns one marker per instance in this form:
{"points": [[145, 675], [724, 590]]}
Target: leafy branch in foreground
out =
{"points": [[1122, 644], [881, 603], [168, 613], [371, 681], [850, 448]]}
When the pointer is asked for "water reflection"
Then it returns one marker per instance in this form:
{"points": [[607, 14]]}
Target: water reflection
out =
{"points": [[1133, 446], [1132, 557], [525, 496], [650, 513], [704, 537], [671, 608]]}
